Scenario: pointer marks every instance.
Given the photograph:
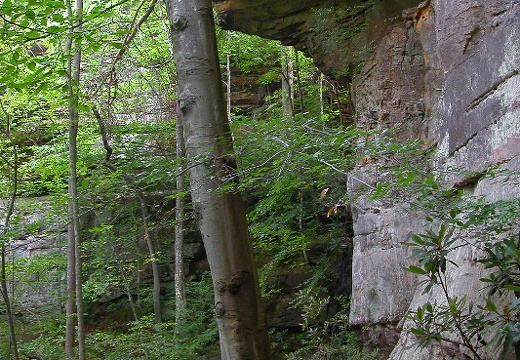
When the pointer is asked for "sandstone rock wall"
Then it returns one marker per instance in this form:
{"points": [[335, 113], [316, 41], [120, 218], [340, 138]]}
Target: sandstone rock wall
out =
{"points": [[447, 75], [472, 88], [36, 285]]}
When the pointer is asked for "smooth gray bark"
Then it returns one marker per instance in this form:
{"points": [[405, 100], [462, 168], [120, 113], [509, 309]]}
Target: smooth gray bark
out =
{"points": [[74, 228], [298, 80], [180, 290], [7, 302], [221, 214], [13, 172], [70, 305], [287, 84], [228, 87]]}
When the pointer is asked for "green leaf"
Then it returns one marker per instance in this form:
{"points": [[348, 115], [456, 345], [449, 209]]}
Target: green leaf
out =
{"points": [[429, 307], [30, 14], [417, 239], [7, 6], [417, 331], [420, 313], [453, 213], [491, 306], [415, 270], [512, 287], [452, 302], [56, 29], [442, 231], [33, 34], [61, 72], [443, 265], [407, 243], [83, 107], [58, 17], [31, 65], [116, 44], [42, 87]]}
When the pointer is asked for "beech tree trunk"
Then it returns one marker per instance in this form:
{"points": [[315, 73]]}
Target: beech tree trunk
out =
{"points": [[70, 305], [221, 213]]}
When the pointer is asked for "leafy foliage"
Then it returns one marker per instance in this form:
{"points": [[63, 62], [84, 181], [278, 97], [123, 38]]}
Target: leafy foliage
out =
{"points": [[327, 338], [174, 341], [490, 228]]}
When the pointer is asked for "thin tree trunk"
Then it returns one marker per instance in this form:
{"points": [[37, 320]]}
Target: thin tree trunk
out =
{"points": [[70, 306], [287, 85], [126, 282], [13, 168], [77, 243], [228, 87], [238, 305], [73, 71], [156, 291], [298, 79], [8, 309], [338, 99], [180, 291], [128, 291], [300, 224], [322, 107]]}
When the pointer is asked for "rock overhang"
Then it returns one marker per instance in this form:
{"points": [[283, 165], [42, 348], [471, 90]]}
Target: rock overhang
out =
{"points": [[338, 35]]}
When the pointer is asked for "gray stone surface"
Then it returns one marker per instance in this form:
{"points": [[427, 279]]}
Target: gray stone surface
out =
{"points": [[35, 286], [475, 120]]}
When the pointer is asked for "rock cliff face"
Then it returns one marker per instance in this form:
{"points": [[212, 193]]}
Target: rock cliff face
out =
{"points": [[444, 71], [38, 286]]}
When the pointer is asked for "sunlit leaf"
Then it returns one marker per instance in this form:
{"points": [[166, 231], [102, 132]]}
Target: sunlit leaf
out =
{"points": [[33, 34], [324, 192], [116, 45], [332, 210]]}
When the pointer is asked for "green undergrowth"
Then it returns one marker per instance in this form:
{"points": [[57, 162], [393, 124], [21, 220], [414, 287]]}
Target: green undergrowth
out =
{"points": [[111, 338]]}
